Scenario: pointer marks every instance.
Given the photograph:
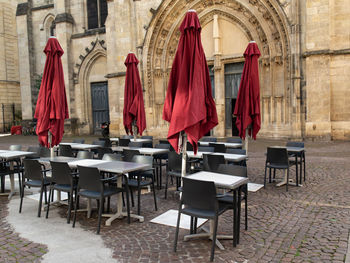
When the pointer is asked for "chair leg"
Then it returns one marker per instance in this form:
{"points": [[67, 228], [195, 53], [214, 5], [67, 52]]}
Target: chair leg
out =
{"points": [[177, 228], [287, 180], [214, 239], [22, 195], [40, 200], [99, 215], [270, 175], [303, 154], [127, 202], [246, 208], [45, 190], [70, 205], [138, 195], [48, 203], [132, 197], [195, 225], [166, 186], [265, 177]]}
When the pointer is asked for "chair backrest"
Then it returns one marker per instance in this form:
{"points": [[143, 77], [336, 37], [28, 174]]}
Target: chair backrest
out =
{"points": [[89, 179], [209, 139], [234, 140], [147, 144], [98, 142], [32, 169], [79, 140], [236, 170], [277, 155], [147, 137], [189, 146], [112, 157], [107, 142], [143, 159], [66, 150], [85, 155], [236, 151], [61, 173], [175, 162], [34, 149], [211, 162], [102, 150], [135, 144], [295, 144], [44, 152], [162, 146], [15, 147], [129, 154], [199, 194], [162, 141], [127, 137], [218, 147], [124, 142], [206, 149]]}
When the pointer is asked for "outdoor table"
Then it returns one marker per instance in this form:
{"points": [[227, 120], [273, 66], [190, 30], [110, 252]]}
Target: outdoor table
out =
{"points": [[115, 167], [225, 181], [11, 156], [142, 150], [81, 146], [296, 151], [132, 140], [227, 144], [228, 156]]}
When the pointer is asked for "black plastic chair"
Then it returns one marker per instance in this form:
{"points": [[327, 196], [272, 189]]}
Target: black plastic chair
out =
{"points": [[277, 158], [147, 137], [91, 185], [4, 171], [107, 142], [66, 150], [237, 151], [199, 200], [127, 137], [79, 141], [124, 142], [112, 157], [64, 180], [205, 149], [15, 147], [218, 147], [209, 139], [85, 155], [135, 144], [211, 162], [103, 150], [234, 140], [174, 170], [189, 146], [163, 141], [140, 179], [300, 157], [227, 198], [160, 160], [44, 152], [34, 176], [128, 154]]}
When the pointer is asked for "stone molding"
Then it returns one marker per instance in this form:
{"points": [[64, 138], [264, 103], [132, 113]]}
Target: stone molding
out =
{"points": [[326, 52], [22, 9], [43, 7], [116, 75], [64, 18], [90, 32]]}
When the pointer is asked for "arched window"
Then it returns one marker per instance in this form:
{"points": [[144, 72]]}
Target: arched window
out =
{"points": [[97, 13]]}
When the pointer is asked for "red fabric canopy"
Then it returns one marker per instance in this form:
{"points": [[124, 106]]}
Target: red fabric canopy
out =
{"points": [[51, 108], [189, 105], [133, 98], [247, 107]]}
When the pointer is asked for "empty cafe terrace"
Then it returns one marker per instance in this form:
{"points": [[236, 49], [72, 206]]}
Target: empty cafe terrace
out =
{"points": [[117, 200]]}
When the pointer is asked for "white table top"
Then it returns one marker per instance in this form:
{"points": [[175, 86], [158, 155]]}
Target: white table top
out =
{"points": [[81, 146], [144, 151], [9, 155], [227, 144], [132, 140], [220, 180], [227, 156]]}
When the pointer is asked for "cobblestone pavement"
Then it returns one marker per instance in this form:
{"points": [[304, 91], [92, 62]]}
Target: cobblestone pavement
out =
{"points": [[306, 224]]}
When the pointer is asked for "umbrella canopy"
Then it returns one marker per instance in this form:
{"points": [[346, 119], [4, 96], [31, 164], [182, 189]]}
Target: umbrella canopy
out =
{"points": [[189, 105], [51, 108], [247, 107], [134, 109]]}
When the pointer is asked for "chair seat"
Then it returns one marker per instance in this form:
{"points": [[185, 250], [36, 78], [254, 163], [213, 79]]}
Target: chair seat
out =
{"points": [[173, 173], [204, 213], [108, 191], [228, 199], [63, 187], [37, 183], [278, 166], [133, 183]]}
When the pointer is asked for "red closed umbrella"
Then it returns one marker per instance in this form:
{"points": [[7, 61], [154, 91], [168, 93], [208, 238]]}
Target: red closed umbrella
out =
{"points": [[51, 108], [189, 105], [247, 107], [134, 110]]}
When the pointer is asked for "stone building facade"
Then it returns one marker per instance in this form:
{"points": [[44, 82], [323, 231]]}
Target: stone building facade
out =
{"points": [[305, 47], [10, 95]]}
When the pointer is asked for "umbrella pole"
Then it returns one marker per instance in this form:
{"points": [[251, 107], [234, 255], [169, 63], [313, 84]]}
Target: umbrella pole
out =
{"points": [[50, 145], [184, 154], [134, 131], [246, 140]]}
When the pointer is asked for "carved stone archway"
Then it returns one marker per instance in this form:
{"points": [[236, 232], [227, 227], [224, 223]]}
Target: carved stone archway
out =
{"points": [[261, 20]]}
